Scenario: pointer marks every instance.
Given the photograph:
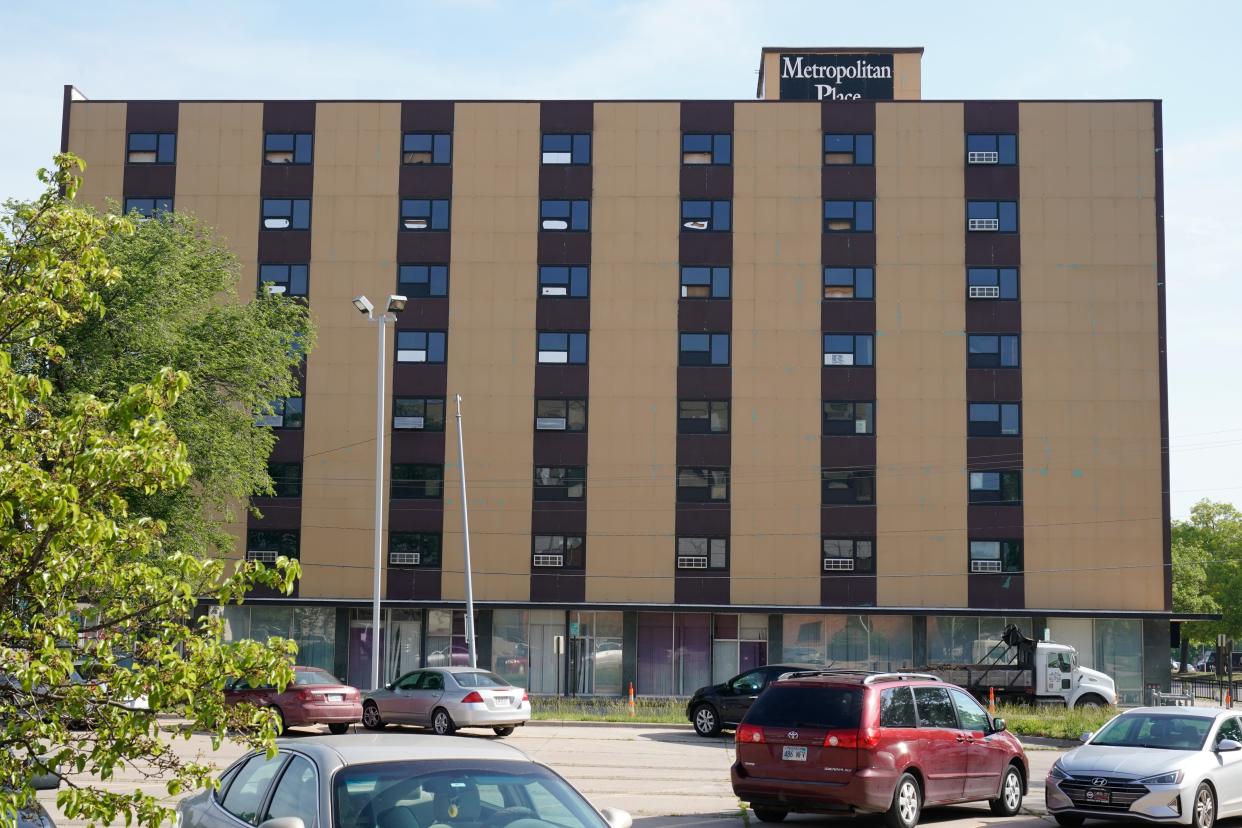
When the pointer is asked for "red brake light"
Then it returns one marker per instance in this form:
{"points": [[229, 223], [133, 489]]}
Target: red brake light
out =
{"points": [[749, 734], [525, 696], [472, 697], [841, 739], [306, 695]]}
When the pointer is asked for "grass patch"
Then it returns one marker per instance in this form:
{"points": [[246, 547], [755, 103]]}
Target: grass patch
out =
{"points": [[1054, 722], [646, 710]]}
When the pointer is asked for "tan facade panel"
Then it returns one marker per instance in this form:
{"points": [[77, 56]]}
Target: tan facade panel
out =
{"points": [[920, 356], [777, 354], [353, 250], [97, 136], [632, 449], [907, 76], [491, 345], [1090, 363]]}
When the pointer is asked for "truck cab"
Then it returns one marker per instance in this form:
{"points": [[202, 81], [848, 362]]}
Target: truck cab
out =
{"points": [[1057, 675]]}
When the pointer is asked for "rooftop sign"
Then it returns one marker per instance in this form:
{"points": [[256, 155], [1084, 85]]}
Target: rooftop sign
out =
{"points": [[836, 77]]}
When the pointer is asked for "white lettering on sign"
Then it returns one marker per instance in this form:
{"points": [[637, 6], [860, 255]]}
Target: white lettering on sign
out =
{"points": [[823, 90], [860, 69]]}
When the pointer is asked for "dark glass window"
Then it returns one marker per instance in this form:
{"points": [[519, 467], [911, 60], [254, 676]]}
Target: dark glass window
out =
{"points": [[417, 481], [289, 279], [849, 283], [935, 708], [852, 486], [424, 214], [265, 545], [705, 283], [286, 214], [287, 148], [286, 413], [421, 281], [992, 216], [699, 148], [993, 419], [567, 148], [995, 556], [897, 708], [564, 280], [849, 216], [704, 349], [152, 148], [286, 479], [418, 414], [703, 416], [848, 418], [845, 148], [706, 216], [560, 482], [999, 148], [696, 485], [703, 553], [148, 207], [560, 415], [420, 549], [556, 348], [426, 148], [1003, 487], [559, 215], [992, 283], [992, 351], [848, 555], [558, 552], [848, 349], [421, 346], [248, 788]]}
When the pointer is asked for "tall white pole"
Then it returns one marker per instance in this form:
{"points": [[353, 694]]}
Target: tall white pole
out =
{"points": [[376, 655], [465, 519]]}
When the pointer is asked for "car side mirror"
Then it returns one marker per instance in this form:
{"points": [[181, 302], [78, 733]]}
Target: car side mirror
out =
{"points": [[615, 817], [283, 822], [998, 724], [45, 782], [1227, 745], [1086, 736]]}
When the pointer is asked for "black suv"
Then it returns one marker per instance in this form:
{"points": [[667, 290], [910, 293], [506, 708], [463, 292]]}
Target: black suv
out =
{"points": [[724, 705]]}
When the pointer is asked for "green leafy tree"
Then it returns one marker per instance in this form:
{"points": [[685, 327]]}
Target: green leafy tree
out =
{"points": [[1207, 571], [84, 580]]}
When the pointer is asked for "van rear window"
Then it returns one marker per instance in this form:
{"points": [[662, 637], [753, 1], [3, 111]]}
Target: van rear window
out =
{"points": [[794, 706]]}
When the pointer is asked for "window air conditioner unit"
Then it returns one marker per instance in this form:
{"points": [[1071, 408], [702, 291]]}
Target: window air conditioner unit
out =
{"points": [[555, 224], [276, 289], [270, 420], [983, 158], [277, 224], [558, 158], [549, 560], [261, 555], [554, 357], [404, 558], [411, 356], [550, 424], [983, 224], [415, 224], [838, 359], [692, 562], [838, 564], [695, 224], [407, 422], [985, 566], [984, 292], [554, 291]]}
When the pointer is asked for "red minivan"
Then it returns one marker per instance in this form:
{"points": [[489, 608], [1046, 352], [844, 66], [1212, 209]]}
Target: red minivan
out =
{"points": [[315, 697], [840, 741]]}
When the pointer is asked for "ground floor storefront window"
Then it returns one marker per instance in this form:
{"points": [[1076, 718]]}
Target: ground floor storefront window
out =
{"points": [[527, 649], [401, 635], [1119, 653], [739, 643], [970, 640], [313, 629], [856, 642]]}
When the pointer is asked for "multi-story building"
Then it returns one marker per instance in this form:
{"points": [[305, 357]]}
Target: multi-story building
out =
{"points": [[838, 374]]}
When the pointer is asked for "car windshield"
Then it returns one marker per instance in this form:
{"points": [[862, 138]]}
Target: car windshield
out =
{"points": [[1168, 731], [303, 676], [480, 679], [795, 706], [458, 792]]}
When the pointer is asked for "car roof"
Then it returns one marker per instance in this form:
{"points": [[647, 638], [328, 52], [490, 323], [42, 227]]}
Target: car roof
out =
{"points": [[1210, 712], [365, 748], [460, 669], [863, 678]]}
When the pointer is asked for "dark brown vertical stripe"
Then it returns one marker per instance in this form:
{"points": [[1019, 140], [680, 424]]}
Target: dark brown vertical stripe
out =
{"points": [[150, 180], [1162, 344], [66, 108]]}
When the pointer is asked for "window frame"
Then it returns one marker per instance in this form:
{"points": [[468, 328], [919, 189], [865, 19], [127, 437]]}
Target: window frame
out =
{"points": [[436, 146], [999, 205], [983, 359], [724, 272], [566, 402], [159, 149], [720, 143], [853, 151], [421, 563], [869, 280], [289, 279], [437, 209], [824, 419], [293, 488], [404, 400], [281, 759], [435, 274], [1007, 550], [1000, 153], [576, 277], [280, 408], [575, 159], [853, 219], [428, 349], [680, 556], [978, 427], [570, 218], [856, 338], [683, 422], [407, 485], [1008, 489], [156, 210], [713, 218], [310, 140], [266, 544], [270, 795], [566, 553], [712, 339], [568, 350], [853, 559], [980, 295], [292, 215], [549, 491], [852, 476], [712, 475]]}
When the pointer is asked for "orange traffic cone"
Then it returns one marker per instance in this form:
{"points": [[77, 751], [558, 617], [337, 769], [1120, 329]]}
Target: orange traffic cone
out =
{"points": [[631, 699], [992, 701]]}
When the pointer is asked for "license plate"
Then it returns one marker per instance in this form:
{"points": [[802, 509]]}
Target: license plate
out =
{"points": [[793, 754], [502, 701], [1099, 797], [336, 696]]}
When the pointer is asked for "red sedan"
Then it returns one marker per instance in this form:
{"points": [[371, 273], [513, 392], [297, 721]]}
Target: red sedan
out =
{"points": [[314, 697]]}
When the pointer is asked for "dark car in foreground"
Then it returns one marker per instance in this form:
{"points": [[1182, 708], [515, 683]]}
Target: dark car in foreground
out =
{"points": [[845, 742], [720, 706], [315, 697]]}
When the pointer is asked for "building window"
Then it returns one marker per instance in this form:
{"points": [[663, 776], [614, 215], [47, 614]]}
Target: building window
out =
{"points": [[701, 148], [992, 351], [562, 348], [560, 280], [704, 349], [849, 216], [848, 418], [992, 216], [148, 207], [565, 216], [421, 549], [418, 414], [848, 149], [560, 415], [286, 479], [422, 281], [995, 556], [696, 485], [993, 419], [567, 148], [849, 283], [287, 148], [426, 148], [848, 349], [420, 346], [558, 552], [1001, 148], [152, 148], [856, 486], [848, 555], [289, 279], [992, 283], [424, 214], [266, 545], [286, 213], [703, 417], [286, 413], [703, 553], [417, 481], [706, 216], [1004, 487], [560, 482], [705, 283]]}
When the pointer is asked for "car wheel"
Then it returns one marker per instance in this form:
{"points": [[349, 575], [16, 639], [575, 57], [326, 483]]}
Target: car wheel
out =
{"points": [[1010, 800], [1089, 703], [907, 803], [771, 814], [706, 721], [1205, 806], [442, 722], [337, 728], [371, 716], [1069, 820], [502, 732], [281, 728]]}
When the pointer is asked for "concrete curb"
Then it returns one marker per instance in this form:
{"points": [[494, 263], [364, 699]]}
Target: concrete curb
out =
{"points": [[1046, 743], [576, 722]]}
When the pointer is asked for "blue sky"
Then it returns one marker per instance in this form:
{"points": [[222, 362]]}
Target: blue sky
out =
{"points": [[1187, 55]]}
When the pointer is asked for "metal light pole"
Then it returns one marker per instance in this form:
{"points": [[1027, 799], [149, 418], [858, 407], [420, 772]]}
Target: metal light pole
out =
{"points": [[465, 519], [396, 304]]}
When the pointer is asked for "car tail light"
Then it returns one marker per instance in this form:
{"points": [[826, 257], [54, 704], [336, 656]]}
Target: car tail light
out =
{"points": [[749, 734], [868, 737], [841, 739], [306, 695], [525, 696], [472, 697]]}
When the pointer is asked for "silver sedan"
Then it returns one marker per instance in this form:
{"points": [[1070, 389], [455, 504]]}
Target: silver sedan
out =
{"points": [[392, 781], [446, 698], [1179, 765]]}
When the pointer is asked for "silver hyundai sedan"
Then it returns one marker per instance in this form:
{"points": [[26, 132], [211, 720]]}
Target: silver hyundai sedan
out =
{"points": [[446, 698], [1160, 764]]}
